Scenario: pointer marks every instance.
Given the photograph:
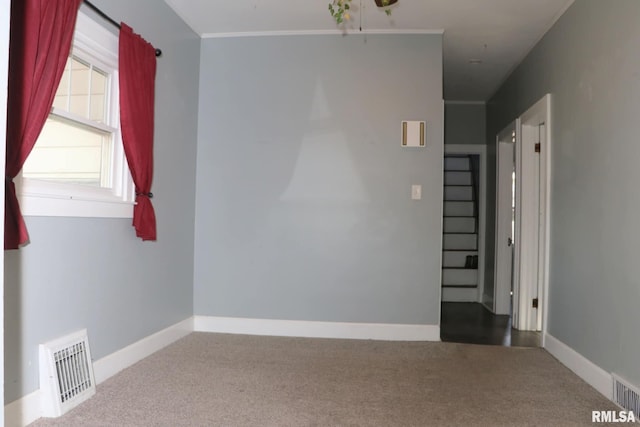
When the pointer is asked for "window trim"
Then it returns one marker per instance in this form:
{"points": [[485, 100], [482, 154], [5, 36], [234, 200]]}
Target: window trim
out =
{"points": [[44, 198]]}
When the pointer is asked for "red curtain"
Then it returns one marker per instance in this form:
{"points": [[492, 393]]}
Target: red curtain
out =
{"points": [[40, 40], [137, 66]]}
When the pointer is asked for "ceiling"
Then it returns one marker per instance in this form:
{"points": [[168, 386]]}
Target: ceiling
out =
{"points": [[483, 39]]}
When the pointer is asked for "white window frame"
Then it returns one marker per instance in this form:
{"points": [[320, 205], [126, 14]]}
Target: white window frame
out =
{"points": [[45, 198]]}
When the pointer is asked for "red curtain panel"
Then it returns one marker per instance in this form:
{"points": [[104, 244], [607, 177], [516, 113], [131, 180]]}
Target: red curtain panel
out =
{"points": [[137, 66], [40, 40]]}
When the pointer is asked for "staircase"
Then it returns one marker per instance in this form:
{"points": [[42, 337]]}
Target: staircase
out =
{"points": [[460, 230]]}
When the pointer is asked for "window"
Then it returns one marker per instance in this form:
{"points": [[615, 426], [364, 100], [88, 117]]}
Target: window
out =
{"points": [[78, 167]]}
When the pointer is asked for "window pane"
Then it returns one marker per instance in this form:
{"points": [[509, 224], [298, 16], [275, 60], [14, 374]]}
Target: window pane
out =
{"points": [[70, 153], [80, 73], [98, 96], [62, 95]]}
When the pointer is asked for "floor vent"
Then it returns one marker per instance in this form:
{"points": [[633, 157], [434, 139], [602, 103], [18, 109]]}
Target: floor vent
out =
{"points": [[66, 373], [626, 396]]}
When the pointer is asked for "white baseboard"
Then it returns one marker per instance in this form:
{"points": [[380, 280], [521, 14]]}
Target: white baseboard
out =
{"points": [[591, 373], [23, 411], [312, 329], [110, 365]]}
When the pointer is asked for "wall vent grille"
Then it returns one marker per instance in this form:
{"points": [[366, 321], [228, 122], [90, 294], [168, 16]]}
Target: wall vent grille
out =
{"points": [[66, 373], [626, 396]]}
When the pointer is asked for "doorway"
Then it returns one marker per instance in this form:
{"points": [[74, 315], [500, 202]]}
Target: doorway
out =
{"points": [[465, 316], [463, 238], [506, 141], [512, 309], [522, 233]]}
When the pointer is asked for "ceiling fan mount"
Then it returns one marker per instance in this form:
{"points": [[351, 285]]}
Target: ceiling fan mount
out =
{"points": [[383, 3]]}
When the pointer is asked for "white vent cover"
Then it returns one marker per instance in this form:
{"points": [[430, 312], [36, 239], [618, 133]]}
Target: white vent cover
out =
{"points": [[413, 133], [626, 395], [66, 373]]}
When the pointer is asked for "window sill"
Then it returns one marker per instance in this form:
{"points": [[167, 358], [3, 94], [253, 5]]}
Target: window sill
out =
{"points": [[54, 206]]}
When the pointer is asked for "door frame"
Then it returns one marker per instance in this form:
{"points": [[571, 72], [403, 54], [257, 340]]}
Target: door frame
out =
{"points": [[533, 271], [504, 263], [481, 151]]}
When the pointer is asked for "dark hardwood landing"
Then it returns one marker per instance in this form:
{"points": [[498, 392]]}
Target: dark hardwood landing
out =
{"points": [[471, 323]]}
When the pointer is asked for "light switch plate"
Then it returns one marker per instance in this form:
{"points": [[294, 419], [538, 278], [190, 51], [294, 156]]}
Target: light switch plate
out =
{"points": [[416, 192]]}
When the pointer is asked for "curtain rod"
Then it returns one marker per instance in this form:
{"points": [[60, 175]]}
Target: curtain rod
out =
{"points": [[109, 19]]}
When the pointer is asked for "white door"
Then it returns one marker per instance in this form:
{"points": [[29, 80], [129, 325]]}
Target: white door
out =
{"points": [[505, 170]]}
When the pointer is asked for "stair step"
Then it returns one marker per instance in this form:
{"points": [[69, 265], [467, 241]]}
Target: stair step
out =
{"points": [[457, 178], [456, 163], [458, 250], [458, 192], [459, 225], [458, 208], [456, 258], [462, 277], [460, 241], [473, 286]]}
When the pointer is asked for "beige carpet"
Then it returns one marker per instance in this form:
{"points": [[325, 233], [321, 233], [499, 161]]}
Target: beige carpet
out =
{"points": [[234, 380]]}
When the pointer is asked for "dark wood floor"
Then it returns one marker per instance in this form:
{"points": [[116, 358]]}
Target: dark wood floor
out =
{"points": [[468, 322]]}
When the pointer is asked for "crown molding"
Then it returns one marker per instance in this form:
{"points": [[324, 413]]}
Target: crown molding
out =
{"points": [[314, 33]]}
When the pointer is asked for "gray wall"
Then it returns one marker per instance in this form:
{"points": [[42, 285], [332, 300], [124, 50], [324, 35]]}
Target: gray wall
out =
{"points": [[94, 273], [303, 190], [464, 123], [589, 62]]}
